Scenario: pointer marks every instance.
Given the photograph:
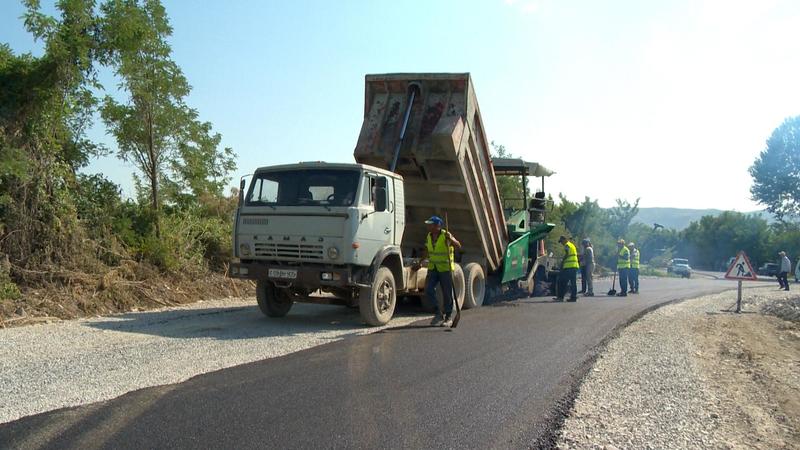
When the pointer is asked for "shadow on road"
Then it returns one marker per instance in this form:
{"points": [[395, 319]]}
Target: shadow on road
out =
{"points": [[244, 322]]}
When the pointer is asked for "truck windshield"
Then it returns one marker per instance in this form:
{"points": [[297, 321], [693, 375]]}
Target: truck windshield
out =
{"points": [[304, 187]]}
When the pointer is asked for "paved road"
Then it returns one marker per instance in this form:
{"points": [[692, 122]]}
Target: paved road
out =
{"points": [[500, 380]]}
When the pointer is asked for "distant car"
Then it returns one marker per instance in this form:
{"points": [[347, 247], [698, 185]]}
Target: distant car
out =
{"points": [[768, 269], [680, 266]]}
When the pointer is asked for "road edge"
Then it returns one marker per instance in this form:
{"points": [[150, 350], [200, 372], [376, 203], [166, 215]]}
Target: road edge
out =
{"points": [[555, 418]]}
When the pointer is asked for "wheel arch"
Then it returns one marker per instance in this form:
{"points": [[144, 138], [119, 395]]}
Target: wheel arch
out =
{"points": [[389, 256]]}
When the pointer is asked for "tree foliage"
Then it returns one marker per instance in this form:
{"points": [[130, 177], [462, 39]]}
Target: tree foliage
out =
{"points": [[53, 216], [776, 171]]}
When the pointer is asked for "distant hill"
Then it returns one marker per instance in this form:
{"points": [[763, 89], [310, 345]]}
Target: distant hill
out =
{"points": [[680, 218]]}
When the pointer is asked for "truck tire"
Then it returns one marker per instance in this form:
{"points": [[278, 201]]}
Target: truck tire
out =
{"points": [[475, 285], [377, 303], [273, 301]]}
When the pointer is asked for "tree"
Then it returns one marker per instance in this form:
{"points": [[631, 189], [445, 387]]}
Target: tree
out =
{"points": [[177, 155], [620, 217], [46, 104], [776, 171]]}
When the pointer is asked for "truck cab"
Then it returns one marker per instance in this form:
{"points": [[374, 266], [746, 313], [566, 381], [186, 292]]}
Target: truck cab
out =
{"points": [[316, 229]]}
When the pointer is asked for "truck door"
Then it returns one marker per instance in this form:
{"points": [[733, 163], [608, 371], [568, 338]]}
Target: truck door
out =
{"points": [[377, 228]]}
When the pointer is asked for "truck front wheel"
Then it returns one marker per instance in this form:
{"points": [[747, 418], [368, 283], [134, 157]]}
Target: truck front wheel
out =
{"points": [[273, 301], [377, 303]]}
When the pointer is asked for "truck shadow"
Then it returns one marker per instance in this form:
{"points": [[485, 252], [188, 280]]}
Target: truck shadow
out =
{"points": [[247, 322]]}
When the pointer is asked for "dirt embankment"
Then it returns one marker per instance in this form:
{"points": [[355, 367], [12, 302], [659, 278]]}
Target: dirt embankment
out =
{"points": [[67, 295]]}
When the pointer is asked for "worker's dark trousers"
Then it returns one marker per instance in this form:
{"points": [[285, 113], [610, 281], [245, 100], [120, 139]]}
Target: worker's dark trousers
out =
{"points": [[783, 280], [583, 278], [634, 278], [445, 282], [568, 276], [623, 281]]}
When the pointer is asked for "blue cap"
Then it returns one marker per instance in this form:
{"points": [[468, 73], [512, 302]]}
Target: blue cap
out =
{"points": [[435, 220]]}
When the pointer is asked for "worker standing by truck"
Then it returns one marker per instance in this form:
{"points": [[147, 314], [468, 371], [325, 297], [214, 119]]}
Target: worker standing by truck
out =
{"points": [[569, 271], [440, 269], [633, 276], [623, 267], [587, 268]]}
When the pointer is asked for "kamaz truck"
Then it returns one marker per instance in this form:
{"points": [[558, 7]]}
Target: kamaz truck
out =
{"points": [[353, 233]]}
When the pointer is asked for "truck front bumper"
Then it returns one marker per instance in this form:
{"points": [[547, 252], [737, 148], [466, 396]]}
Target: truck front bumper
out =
{"points": [[305, 276]]}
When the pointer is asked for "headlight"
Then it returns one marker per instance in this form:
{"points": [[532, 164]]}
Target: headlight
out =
{"points": [[244, 249], [333, 252]]}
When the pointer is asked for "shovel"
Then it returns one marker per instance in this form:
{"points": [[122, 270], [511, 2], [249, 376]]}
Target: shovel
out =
{"points": [[613, 291], [452, 282]]}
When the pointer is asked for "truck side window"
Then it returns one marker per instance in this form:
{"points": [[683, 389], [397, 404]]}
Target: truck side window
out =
{"points": [[368, 194]]}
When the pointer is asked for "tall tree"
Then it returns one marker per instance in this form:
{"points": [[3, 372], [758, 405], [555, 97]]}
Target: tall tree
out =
{"points": [[776, 171], [178, 155], [150, 125], [46, 104]]}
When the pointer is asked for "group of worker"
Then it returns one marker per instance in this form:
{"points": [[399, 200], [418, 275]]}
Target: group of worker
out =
{"points": [[440, 245], [627, 267]]}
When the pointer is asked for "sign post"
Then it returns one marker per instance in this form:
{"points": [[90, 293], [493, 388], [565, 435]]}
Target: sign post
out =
{"points": [[741, 269]]}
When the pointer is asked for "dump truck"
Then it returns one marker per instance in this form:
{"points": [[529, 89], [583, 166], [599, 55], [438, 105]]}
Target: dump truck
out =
{"points": [[353, 233]]}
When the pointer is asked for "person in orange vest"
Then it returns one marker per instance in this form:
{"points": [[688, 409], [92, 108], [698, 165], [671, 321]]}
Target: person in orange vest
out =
{"points": [[569, 271], [440, 246]]}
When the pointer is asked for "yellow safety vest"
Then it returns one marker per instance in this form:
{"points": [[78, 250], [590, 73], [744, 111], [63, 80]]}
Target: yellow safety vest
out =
{"points": [[624, 259], [439, 258], [570, 257], [635, 259]]}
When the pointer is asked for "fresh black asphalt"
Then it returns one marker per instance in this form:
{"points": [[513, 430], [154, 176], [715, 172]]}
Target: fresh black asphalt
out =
{"points": [[502, 379]]}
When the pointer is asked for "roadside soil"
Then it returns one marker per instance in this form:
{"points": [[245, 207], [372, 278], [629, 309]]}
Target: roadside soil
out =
{"points": [[697, 375], [83, 295]]}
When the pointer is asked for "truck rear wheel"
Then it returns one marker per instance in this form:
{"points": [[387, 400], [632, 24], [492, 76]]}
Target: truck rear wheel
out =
{"points": [[273, 301], [377, 302], [475, 285]]}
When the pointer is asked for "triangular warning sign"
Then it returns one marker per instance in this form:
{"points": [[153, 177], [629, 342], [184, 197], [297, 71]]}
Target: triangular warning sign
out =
{"points": [[741, 269]]}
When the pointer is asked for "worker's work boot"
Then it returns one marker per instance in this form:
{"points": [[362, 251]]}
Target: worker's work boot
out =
{"points": [[622, 294], [448, 321], [437, 321], [558, 299], [590, 294], [573, 299]]}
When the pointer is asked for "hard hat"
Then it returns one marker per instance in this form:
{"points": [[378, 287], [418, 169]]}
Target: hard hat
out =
{"points": [[631, 244], [621, 241]]}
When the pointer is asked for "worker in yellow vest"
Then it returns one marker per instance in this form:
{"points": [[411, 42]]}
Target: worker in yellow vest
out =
{"points": [[569, 271], [623, 267], [440, 245], [633, 276]]}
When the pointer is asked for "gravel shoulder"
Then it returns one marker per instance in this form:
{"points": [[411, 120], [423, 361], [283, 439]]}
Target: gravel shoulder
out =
{"points": [[696, 375], [49, 366]]}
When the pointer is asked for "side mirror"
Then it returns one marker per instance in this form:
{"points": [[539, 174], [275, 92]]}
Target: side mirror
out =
{"points": [[381, 199], [241, 191]]}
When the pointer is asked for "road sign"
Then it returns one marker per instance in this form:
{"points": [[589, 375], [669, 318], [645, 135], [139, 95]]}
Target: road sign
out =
{"points": [[741, 269]]}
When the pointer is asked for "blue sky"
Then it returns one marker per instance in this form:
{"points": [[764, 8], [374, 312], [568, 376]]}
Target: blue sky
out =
{"points": [[667, 101]]}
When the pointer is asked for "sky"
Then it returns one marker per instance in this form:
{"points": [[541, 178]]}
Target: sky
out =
{"points": [[667, 101]]}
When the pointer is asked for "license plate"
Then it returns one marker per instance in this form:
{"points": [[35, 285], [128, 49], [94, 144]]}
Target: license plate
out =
{"points": [[289, 274]]}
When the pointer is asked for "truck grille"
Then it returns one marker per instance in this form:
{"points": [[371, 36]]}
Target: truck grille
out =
{"points": [[295, 251]]}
